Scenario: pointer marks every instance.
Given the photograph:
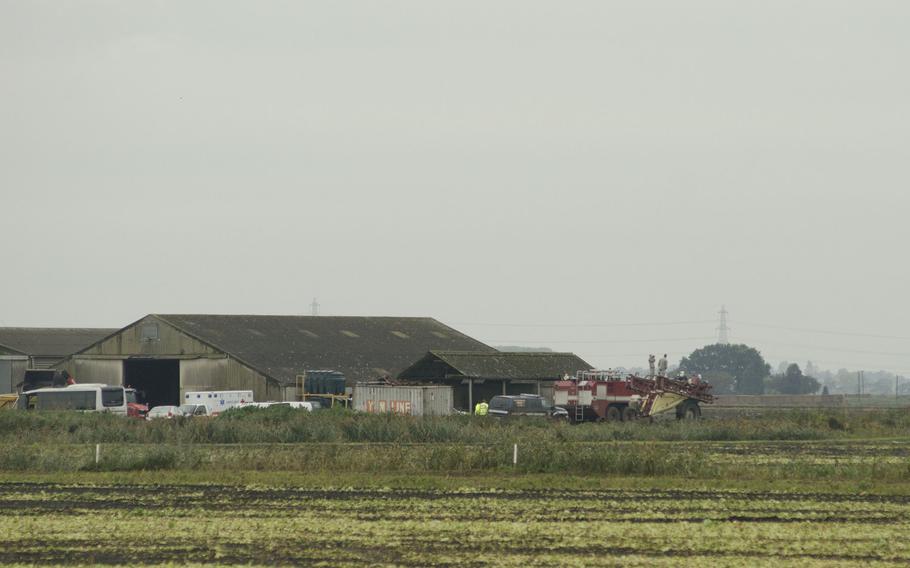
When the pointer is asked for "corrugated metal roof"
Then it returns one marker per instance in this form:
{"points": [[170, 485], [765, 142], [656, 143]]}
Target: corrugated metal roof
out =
{"points": [[50, 341], [503, 365], [359, 347]]}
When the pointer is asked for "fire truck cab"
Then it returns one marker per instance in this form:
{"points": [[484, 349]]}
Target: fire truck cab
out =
{"points": [[597, 396]]}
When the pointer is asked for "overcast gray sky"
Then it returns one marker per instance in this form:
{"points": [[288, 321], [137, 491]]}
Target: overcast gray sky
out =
{"points": [[574, 164]]}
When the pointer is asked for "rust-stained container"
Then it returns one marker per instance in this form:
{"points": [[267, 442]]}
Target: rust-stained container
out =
{"points": [[412, 400]]}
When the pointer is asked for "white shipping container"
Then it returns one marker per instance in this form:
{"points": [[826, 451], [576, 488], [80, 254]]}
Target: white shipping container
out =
{"points": [[411, 400]]}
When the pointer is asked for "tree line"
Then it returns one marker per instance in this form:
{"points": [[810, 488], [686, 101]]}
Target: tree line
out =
{"points": [[740, 369]]}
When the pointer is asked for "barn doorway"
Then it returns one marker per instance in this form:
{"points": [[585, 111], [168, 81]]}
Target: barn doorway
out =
{"points": [[157, 380]]}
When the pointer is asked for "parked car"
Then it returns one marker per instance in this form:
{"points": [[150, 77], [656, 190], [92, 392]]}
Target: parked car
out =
{"points": [[164, 412], [194, 410], [504, 406]]}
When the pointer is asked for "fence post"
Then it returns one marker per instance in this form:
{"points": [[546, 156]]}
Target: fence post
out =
{"points": [[515, 454], [97, 453]]}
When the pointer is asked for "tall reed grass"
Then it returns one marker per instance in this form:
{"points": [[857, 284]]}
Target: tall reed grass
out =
{"points": [[285, 425]]}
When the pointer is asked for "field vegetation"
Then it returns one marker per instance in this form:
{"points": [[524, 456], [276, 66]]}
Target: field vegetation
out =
{"points": [[801, 488], [560, 526], [285, 425], [793, 445]]}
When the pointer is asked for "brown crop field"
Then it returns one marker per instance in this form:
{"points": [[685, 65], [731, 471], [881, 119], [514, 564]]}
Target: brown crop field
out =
{"points": [[71, 524]]}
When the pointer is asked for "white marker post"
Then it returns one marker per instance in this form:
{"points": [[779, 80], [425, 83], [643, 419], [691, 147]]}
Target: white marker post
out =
{"points": [[515, 454], [97, 453]]}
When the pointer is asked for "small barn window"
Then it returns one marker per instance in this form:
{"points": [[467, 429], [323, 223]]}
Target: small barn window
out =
{"points": [[149, 332]]}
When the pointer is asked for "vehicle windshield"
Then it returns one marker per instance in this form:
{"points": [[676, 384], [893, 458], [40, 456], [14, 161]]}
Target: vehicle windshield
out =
{"points": [[112, 396], [187, 408], [131, 397]]}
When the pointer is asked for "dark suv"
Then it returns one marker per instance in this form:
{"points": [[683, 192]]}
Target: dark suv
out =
{"points": [[524, 405]]}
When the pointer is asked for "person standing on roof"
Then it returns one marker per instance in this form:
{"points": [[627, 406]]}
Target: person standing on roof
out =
{"points": [[662, 366], [480, 409], [651, 361]]}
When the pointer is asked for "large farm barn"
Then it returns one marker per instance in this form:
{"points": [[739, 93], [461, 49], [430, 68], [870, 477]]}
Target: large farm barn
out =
{"points": [[166, 355]]}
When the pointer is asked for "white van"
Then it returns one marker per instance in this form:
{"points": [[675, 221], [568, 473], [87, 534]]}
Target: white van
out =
{"points": [[85, 397], [218, 401]]}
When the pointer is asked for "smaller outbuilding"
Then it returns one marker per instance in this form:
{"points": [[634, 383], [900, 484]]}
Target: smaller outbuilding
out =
{"points": [[24, 348], [481, 375]]}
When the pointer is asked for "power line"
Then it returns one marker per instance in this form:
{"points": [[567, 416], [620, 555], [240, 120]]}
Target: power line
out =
{"points": [[571, 325], [823, 348], [821, 331], [681, 322], [599, 341]]}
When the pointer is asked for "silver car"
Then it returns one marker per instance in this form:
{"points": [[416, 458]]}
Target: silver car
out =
{"points": [[164, 412], [194, 410]]}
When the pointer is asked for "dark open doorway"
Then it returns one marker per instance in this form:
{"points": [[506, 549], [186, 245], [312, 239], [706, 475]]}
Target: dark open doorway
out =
{"points": [[158, 380]]}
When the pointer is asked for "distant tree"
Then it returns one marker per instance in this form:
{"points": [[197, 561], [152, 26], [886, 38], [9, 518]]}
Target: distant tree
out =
{"points": [[740, 367], [811, 369], [825, 390], [793, 381]]}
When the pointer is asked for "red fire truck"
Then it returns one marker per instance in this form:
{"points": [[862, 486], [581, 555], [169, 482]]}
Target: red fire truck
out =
{"points": [[596, 396]]}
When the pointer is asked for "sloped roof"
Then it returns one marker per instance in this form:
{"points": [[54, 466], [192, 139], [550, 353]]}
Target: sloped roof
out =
{"points": [[502, 365], [4, 350], [50, 341], [360, 347]]}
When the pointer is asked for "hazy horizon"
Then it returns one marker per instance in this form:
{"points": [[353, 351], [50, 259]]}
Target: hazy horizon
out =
{"points": [[530, 173]]}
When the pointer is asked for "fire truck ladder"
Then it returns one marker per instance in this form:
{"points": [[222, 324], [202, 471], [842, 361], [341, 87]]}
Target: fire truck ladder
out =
{"points": [[579, 413]]}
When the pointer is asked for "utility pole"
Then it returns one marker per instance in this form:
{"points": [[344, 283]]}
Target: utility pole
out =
{"points": [[896, 378], [723, 331], [314, 308]]}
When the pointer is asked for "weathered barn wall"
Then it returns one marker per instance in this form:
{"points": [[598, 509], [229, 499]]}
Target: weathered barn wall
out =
{"points": [[224, 373], [88, 370], [12, 372], [134, 340]]}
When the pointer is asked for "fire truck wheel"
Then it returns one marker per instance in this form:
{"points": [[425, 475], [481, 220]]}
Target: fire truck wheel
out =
{"points": [[614, 414], [629, 414], [688, 410]]}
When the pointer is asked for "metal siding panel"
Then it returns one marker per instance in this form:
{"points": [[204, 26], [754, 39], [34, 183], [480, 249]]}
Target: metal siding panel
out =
{"points": [[18, 372], [423, 401], [109, 371], [6, 376], [44, 362], [547, 392]]}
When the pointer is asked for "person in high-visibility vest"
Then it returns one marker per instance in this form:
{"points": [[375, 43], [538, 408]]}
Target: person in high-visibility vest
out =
{"points": [[480, 409]]}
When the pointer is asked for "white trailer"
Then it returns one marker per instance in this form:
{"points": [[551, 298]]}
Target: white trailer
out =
{"points": [[218, 401]]}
